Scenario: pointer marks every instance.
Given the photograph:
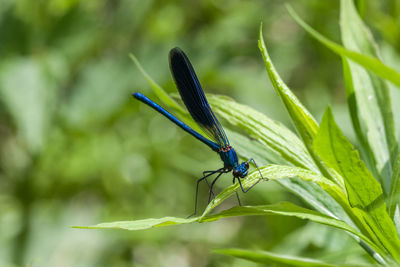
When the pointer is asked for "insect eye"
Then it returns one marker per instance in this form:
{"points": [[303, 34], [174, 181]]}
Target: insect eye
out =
{"points": [[246, 164], [236, 173]]}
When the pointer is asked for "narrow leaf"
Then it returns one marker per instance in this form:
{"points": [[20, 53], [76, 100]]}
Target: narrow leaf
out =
{"points": [[273, 258], [394, 196], [276, 172], [370, 95], [283, 208], [304, 122], [274, 139], [369, 62], [302, 119], [309, 192], [140, 224]]}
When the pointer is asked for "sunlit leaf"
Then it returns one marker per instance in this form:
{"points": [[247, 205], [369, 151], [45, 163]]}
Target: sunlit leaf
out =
{"points": [[248, 148], [283, 208], [302, 119], [272, 134], [368, 97], [276, 172], [304, 122], [364, 191], [394, 196], [141, 224], [311, 193]]}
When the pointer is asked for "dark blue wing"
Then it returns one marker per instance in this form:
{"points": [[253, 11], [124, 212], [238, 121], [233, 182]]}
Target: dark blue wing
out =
{"points": [[193, 96]]}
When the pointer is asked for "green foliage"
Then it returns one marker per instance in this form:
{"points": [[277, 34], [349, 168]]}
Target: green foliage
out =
{"points": [[324, 155], [272, 258], [76, 149], [369, 62]]}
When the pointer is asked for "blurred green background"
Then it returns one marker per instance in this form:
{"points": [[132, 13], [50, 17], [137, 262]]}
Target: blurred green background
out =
{"points": [[77, 149]]}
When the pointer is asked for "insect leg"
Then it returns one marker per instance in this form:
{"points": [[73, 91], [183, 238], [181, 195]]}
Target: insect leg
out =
{"points": [[237, 194], [197, 187], [246, 190], [262, 178], [208, 184], [255, 164], [212, 184]]}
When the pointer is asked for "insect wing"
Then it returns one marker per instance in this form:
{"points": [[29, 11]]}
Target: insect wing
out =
{"points": [[193, 96]]}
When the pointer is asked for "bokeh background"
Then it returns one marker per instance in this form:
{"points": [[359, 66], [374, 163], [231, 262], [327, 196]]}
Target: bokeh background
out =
{"points": [[77, 149]]}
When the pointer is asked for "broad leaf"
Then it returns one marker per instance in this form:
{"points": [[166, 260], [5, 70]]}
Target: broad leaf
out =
{"points": [[271, 133], [248, 148], [364, 192], [311, 193], [277, 172]]}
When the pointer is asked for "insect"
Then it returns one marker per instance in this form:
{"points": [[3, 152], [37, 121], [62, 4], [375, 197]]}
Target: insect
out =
{"points": [[196, 103]]}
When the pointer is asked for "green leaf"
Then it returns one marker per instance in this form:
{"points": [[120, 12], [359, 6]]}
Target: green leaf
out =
{"points": [[394, 196], [369, 62], [304, 122], [270, 133], [302, 119], [396, 218], [339, 154], [353, 110], [360, 7], [316, 197], [283, 208], [368, 97], [140, 224], [277, 172], [311, 193], [247, 148], [364, 192], [272, 258]]}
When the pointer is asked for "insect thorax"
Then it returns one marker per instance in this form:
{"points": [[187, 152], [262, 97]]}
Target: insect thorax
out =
{"points": [[229, 157]]}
